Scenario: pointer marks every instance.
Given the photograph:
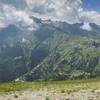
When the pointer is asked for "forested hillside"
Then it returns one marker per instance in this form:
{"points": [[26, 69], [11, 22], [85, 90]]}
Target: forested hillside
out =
{"points": [[55, 51]]}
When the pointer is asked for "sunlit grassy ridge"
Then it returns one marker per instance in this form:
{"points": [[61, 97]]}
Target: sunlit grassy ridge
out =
{"points": [[52, 86]]}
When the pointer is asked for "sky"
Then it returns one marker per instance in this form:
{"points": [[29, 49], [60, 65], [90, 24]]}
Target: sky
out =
{"points": [[91, 5], [18, 12]]}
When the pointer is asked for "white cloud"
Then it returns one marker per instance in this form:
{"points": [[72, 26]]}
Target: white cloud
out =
{"points": [[37, 6], [9, 15], [66, 10], [86, 26], [2, 25], [70, 11], [90, 16]]}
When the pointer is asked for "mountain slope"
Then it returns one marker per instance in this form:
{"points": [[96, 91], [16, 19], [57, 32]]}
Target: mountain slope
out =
{"points": [[72, 57], [55, 51]]}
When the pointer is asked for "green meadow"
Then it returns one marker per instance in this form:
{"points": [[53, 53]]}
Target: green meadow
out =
{"points": [[68, 86]]}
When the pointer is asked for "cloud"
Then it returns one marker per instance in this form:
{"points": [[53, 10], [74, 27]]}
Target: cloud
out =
{"points": [[65, 10], [10, 15], [87, 17], [37, 6], [18, 4], [71, 11], [90, 16], [86, 26]]}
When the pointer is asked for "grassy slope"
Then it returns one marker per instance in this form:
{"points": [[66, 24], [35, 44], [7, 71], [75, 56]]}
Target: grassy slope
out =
{"points": [[53, 86], [70, 57], [50, 54]]}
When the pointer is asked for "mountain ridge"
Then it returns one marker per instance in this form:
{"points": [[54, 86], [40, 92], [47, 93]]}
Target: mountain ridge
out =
{"points": [[55, 51]]}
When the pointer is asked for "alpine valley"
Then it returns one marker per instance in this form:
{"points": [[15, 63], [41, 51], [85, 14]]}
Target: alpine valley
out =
{"points": [[54, 51]]}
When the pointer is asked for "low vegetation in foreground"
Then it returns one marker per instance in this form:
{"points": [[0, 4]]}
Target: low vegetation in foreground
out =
{"points": [[68, 86]]}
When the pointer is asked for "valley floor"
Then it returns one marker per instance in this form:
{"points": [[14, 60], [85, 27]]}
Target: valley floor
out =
{"points": [[56, 90]]}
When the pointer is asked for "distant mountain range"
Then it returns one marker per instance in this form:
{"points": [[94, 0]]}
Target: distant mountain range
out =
{"points": [[54, 51]]}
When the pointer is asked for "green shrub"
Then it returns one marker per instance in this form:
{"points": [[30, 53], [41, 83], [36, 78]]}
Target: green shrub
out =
{"points": [[47, 98], [62, 91], [15, 96]]}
